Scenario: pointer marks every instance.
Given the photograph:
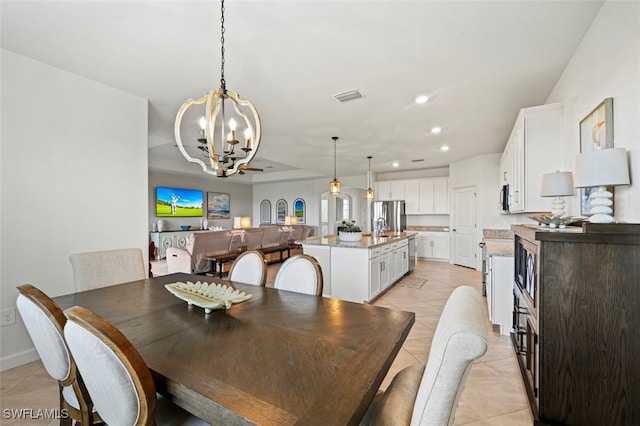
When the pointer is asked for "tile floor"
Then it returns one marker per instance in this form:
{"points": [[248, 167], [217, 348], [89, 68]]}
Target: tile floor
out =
{"points": [[494, 394]]}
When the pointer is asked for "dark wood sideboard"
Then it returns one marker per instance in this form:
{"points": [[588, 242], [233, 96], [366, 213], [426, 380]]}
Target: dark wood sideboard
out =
{"points": [[577, 322]]}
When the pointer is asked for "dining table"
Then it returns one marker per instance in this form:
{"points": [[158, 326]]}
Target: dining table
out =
{"points": [[278, 358]]}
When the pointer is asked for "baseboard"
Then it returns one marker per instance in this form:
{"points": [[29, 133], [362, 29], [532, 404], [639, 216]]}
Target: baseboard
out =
{"points": [[18, 359]]}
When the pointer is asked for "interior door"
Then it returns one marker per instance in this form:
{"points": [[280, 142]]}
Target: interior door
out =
{"points": [[465, 219]]}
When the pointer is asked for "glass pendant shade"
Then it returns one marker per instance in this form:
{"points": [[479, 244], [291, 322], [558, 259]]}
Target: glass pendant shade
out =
{"points": [[334, 185], [368, 194]]}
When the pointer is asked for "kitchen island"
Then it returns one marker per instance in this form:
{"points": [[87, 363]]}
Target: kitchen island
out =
{"points": [[360, 271]]}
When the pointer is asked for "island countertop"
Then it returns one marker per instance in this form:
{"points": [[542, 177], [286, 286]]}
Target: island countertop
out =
{"points": [[366, 242]]}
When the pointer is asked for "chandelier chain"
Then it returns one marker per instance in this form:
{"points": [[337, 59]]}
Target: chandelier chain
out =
{"points": [[222, 80]]}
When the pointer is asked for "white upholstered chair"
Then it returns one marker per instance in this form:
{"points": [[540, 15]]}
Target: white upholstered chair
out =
{"points": [[250, 268], [45, 322], [104, 268], [117, 378], [178, 260], [300, 273], [428, 395]]}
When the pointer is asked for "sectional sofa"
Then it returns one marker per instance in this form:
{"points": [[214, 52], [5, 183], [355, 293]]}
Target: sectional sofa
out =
{"points": [[276, 242]]}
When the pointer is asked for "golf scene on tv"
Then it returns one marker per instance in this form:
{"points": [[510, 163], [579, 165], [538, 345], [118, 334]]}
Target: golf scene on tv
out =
{"points": [[174, 202]]}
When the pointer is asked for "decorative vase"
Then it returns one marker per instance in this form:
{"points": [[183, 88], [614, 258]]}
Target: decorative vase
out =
{"points": [[160, 225], [205, 224]]}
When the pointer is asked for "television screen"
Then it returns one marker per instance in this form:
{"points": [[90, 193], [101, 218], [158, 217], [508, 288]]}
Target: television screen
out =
{"points": [[174, 202]]}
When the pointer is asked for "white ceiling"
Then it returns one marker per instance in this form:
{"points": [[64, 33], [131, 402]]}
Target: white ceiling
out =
{"points": [[478, 61]]}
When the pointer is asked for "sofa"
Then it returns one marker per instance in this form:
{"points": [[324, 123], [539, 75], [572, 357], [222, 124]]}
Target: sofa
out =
{"points": [[276, 242]]}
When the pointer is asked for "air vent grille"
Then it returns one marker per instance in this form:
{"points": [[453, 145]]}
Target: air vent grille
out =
{"points": [[349, 95]]}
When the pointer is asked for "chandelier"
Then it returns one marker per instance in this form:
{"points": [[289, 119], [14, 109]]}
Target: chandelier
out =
{"points": [[368, 194], [334, 185], [224, 154]]}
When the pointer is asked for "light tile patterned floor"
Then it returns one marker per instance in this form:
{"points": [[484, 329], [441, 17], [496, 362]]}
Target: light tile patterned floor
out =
{"points": [[494, 394]]}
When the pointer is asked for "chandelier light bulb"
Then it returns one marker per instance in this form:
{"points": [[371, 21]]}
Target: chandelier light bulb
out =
{"points": [[203, 123]]}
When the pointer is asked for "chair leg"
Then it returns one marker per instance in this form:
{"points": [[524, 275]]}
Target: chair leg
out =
{"points": [[65, 416]]}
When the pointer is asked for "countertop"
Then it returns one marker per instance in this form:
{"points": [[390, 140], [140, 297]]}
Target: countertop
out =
{"points": [[365, 242], [501, 247], [428, 228], [497, 234]]}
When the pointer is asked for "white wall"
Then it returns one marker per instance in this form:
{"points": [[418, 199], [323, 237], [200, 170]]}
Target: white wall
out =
{"points": [[240, 198], [606, 64], [73, 178]]}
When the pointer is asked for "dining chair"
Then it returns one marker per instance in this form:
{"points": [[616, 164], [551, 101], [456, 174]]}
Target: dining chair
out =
{"points": [[249, 268], [117, 378], [45, 321], [429, 395], [104, 268], [178, 260], [300, 273]]}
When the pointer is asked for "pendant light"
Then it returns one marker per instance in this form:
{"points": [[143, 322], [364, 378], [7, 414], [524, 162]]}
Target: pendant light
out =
{"points": [[334, 186], [368, 194], [217, 140]]}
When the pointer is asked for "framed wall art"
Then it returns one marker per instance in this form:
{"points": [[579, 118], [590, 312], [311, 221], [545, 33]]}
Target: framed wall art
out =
{"points": [[299, 210], [218, 205], [265, 211], [281, 211], [596, 132]]}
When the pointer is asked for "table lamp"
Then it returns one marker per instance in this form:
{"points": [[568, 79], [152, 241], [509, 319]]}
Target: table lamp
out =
{"points": [[598, 169], [290, 220], [558, 184]]}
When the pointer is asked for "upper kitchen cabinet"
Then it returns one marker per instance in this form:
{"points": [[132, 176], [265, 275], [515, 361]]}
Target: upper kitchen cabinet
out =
{"points": [[390, 190], [434, 196], [531, 152], [422, 196]]}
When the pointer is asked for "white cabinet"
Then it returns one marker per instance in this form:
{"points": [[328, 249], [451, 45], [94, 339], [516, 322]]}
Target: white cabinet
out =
{"points": [[434, 196], [422, 196], [412, 197], [529, 154], [390, 190], [433, 246], [500, 292], [164, 240], [374, 272], [385, 265]]}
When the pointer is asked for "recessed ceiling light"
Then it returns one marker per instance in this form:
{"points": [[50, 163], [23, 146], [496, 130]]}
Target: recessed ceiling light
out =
{"points": [[436, 130], [444, 148], [422, 99], [395, 164]]}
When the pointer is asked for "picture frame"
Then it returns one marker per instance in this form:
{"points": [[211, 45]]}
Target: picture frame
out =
{"points": [[299, 210], [596, 131], [265, 211], [281, 211], [218, 205]]}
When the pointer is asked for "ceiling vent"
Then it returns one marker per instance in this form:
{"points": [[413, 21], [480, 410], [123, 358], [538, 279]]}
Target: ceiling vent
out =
{"points": [[349, 95], [418, 160]]}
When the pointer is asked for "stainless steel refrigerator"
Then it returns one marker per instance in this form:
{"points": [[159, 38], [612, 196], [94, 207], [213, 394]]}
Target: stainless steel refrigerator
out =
{"points": [[389, 214]]}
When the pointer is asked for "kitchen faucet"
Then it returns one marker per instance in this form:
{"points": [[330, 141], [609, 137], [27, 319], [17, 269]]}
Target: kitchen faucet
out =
{"points": [[381, 225]]}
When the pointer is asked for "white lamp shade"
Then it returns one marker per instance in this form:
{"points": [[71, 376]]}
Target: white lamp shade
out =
{"points": [[558, 184], [290, 220], [602, 167], [237, 222], [245, 222]]}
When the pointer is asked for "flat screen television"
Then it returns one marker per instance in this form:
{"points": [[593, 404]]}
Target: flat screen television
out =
{"points": [[175, 202]]}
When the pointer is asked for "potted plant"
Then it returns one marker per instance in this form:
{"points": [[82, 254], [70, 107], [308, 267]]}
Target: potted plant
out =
{"points": [[350, 233]]}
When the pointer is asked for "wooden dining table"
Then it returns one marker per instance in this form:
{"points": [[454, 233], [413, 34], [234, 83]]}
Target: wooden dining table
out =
{"points": [[277, 358]]}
